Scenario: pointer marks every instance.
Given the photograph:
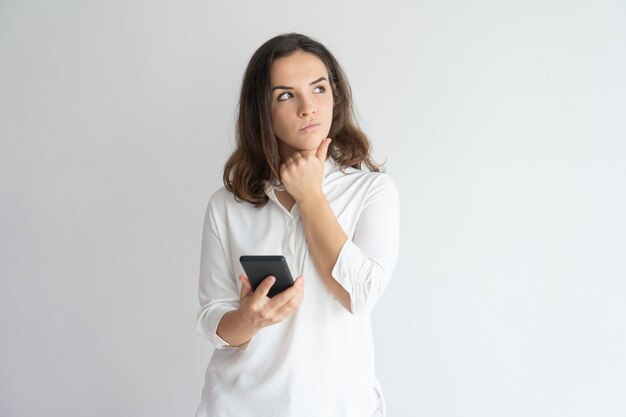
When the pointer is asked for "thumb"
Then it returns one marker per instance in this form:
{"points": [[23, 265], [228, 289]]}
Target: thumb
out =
{"points": [[246, 288], [266, 285], [323, 149]]}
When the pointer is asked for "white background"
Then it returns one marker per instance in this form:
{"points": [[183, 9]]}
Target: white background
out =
{"points": [[502, 122]]}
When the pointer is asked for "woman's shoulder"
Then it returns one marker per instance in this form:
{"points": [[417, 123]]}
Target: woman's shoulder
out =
{"points": [[223, 200], [380, 183], [221, 195], [361, 184], [364, 175]]}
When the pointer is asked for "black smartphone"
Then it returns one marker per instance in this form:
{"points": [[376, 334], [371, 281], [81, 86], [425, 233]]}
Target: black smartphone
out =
{"points": [[260, 267]]}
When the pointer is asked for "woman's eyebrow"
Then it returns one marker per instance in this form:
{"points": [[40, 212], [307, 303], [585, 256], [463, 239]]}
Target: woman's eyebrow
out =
{"points": [[284, 87]]}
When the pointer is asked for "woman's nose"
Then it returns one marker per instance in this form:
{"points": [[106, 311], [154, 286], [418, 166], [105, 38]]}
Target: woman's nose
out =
{"points": [[307, 107]]}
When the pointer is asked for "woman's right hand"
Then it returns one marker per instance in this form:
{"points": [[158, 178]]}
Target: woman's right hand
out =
{"points": [[257, 310]]}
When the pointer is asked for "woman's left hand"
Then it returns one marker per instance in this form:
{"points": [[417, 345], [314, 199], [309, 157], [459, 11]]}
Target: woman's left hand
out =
{"points": [[302, 173]]}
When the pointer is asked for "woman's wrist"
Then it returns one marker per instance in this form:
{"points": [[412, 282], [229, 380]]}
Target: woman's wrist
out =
{"points": [[312, 200], [234, 330]]}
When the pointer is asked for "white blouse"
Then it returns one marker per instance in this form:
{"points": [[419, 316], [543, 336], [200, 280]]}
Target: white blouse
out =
{"points": [[319, 361]]}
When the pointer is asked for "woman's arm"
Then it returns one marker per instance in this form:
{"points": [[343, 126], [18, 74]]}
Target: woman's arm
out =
{"points": [[257, 311], [302, 174], [366, 261], [325, 238], [355, 271], [230, 317]]}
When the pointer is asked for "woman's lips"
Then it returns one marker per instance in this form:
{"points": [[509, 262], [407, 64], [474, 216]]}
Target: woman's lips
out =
{"points": [[310, 127]]}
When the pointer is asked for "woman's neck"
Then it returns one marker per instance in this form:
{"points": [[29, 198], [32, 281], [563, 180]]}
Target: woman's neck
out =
{"points": [[285, 199]]}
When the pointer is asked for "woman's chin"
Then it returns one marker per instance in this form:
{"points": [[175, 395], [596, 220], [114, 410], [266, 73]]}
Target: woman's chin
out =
{"points": [[306, 148], [307, 152]]}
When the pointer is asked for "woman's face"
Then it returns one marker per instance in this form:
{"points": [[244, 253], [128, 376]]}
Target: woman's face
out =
{"points": [[302, 102]]}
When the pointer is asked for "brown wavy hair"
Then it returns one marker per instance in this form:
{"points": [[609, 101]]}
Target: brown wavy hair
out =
{"points": [[256, 158]]}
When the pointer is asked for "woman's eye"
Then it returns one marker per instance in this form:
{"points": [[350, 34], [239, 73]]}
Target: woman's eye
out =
{"points": [[319, 89], [284, 96]]}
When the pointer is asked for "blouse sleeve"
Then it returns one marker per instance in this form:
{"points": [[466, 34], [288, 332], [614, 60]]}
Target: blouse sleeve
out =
{"points": [[218, 290], [365, 263]]}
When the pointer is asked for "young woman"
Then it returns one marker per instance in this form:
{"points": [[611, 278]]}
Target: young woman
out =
{"points": [[296, 185]]}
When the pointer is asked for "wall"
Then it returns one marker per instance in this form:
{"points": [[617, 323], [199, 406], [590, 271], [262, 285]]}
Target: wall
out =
{"points": [[502, 123]]}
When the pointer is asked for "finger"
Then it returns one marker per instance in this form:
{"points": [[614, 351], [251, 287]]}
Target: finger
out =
{"points": [[296, 156], [265, 286], [246, 288], [323, 149], [289, 307], [284, 297]]}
